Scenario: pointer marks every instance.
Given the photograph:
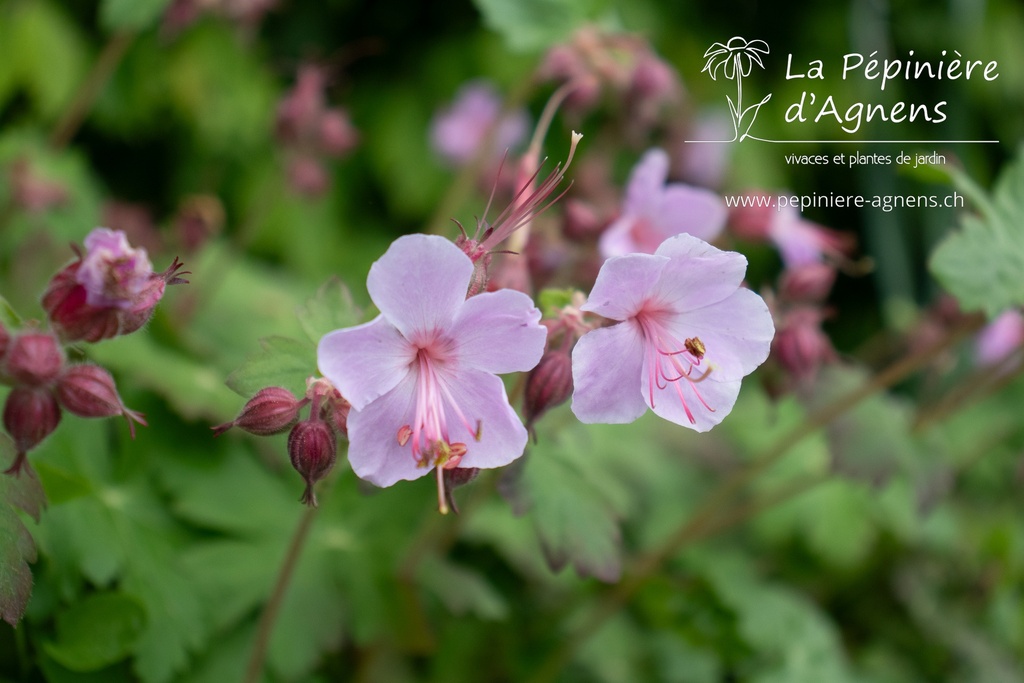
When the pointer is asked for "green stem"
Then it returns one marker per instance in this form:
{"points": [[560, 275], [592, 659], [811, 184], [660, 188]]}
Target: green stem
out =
{"points": [[90, 88], [273, 606], [704, 518]]}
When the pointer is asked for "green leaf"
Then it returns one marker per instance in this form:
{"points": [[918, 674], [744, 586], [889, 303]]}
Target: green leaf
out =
{"points": [[535, 25], [981, 263], [551, 301], [462, 590], [281, 362], [331, 308], [8, 317], [131, 15], [17, 548], [97, 631]]}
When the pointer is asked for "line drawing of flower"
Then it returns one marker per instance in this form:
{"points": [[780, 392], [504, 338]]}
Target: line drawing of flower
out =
{"points": [[735, 59]]}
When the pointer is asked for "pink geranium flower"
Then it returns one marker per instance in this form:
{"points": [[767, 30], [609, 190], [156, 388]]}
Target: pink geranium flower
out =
{"points": [[1000, 338], [687, 334], [112, 272], [421, 377], [653, 211], [459, 129]]}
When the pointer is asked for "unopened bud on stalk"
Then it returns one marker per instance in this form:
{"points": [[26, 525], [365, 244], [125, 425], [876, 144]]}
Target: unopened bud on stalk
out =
{"points": [[30, 414], [548, 385], [312, 447], [88, 391], [33, 359], [809, 283], [270, 411]]}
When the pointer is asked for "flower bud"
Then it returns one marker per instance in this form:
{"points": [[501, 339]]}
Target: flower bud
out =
{"points": [[30, 414], [809, 283], [752, 219], [70, 316], [88, 391], [582, 221], [33, 359], [801, 345], [270, 411], [337, 135], [548, 385], [307, 176], [312, 447]]}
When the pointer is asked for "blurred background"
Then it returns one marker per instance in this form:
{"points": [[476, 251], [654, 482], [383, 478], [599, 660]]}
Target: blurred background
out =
{"points": [[277, 147]]}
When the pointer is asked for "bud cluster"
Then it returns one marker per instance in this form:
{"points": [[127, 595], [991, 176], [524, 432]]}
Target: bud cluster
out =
{"points": [[310, 130], [313, 442], [549, 385], [33, 363], [108, 291]]}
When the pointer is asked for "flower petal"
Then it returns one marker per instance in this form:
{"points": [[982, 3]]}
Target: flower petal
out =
{"points": [[606, 367], [366, 361], [419, 284], [698, 274], [693, 210], [720, 396], [374, 451], [624, 284], [646, 182], [481, 397], [737, 334], [499, 332]]}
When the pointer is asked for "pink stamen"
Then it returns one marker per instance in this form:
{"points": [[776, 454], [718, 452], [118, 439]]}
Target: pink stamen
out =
{"points": [[670, 361]]}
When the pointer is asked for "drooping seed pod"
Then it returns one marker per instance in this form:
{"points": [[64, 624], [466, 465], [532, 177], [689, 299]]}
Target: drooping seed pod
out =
{"points": [[30, 415], [33, 359], [313, 448]]}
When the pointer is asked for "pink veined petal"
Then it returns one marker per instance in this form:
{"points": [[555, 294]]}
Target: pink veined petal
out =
{"points": [[377, 456], [624, 284], [481, 397], [721, 396], [646, 182], [698, 274], [374, 451], [606, 367], [691, 210], [737, 334], [366, 361], [498, 332], [419, 284]]}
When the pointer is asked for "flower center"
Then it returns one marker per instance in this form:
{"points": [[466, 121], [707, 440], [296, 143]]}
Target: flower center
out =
{"points": [[670, 362], [431, 444]]}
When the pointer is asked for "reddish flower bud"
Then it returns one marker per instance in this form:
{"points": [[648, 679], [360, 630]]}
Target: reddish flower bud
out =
{"points": [[582, 220], [752, 220], [809, 283], [548, 385], [337, 135], [307, 176], [312, 447], [339, 409], [270, 411], [88, 391], [30, 414], [800, 344], [34, 359]]}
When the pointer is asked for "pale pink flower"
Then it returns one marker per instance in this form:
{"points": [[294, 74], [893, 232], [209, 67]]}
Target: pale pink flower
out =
{"points": [[687, 334], [458, 130], [800, 242], [653, 211], [113, 273], [1000, 338], [421, 377]]}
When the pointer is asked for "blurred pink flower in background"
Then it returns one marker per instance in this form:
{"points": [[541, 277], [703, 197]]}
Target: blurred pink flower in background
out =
{"points": [[653, 211], [1000, 338], [458, 130]]}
